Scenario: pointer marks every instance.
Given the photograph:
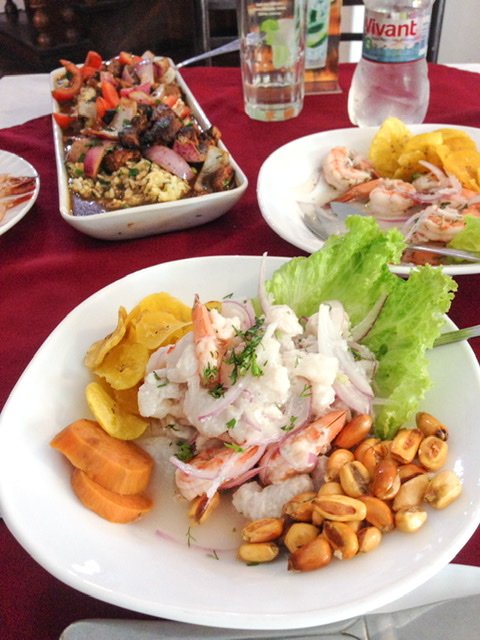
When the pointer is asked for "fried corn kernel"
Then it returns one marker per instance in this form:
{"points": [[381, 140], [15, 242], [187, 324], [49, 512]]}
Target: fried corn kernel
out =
{"points": [[299, 534], [411, 492], [300, 507], [354, 479], [411, 519], [354, 431], [313, 555], [378, 513], [342, 539], [369, 539], [443, 489], [263, 530], [432, 453], [341, 508], [405, 445], [201, 508], [258, 552], [430, 426], [336, 460], [386, 479], [330, 488]]}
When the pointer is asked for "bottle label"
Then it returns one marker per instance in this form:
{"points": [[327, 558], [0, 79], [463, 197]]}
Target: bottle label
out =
{"points": [[318, 16], [395, 37]]}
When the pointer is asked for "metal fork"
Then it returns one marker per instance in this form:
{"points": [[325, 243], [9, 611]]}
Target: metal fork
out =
{"points": [[333, 224]]}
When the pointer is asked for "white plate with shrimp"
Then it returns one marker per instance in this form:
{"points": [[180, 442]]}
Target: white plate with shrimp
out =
{"points": [[292, 175], [159, 566], [19, 187]]}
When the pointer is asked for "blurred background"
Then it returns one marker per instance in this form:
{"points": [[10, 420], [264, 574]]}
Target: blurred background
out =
{"points": [[34, 34]]}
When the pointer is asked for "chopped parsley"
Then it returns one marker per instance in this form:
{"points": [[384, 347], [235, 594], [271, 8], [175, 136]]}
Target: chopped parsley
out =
{"points": [[231, 423], [217, 391], [245, 361], [306, 391], [235, 447], [185, 451], [291, 424]]}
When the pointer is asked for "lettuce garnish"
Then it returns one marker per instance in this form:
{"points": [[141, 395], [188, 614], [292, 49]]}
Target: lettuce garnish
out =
{"points": [[468, 239], [353, 268]]}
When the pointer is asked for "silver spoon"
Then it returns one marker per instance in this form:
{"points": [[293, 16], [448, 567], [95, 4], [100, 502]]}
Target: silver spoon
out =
{"points": [[322, 229], [234, 45]]}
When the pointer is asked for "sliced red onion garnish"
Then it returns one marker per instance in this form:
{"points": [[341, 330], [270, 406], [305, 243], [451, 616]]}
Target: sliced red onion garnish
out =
{"points": [[93, 159], [235, 482], [192, 470], [361, 329], [170, 160], [244, 311], [224, 401]]}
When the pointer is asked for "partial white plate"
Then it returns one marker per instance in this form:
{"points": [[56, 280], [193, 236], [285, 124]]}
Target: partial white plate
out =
{"points": [[148, 566], [14, 165], [289, 174], [137, 222]]}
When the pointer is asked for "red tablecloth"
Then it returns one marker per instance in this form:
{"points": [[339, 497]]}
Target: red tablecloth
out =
{"points": [[47, 268]]}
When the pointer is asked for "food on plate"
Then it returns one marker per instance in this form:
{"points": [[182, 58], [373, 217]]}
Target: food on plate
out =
{"points": [[117, 465], [129, 136], [110, 476], [119, 361], [15, 190], [111, 506], [298, 401], [427, 185]]}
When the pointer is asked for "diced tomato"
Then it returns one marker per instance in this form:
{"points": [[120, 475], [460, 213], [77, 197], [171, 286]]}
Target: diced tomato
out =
{"points": [[88, 72], [64, 94], [63, 120], [128, 58], [110, 94], [102, 107], [169, 101], [93, 59]]}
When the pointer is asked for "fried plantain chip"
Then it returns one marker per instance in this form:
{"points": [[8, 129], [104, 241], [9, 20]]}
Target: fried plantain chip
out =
{"points": [[124, 365], [111, 416], [387, 145], [97, 352], [155, 328]]}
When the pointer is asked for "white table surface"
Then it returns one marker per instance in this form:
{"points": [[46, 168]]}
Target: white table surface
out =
{"points": [[27, 96]]}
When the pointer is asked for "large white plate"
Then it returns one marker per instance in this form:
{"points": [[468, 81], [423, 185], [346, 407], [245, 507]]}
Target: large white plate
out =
{"points": [[14, 165], [137, 222], [135, 567], [290, 172]]}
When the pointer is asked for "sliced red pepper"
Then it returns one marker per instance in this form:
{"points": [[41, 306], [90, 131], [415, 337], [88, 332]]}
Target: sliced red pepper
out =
{"points": [[64, 94], [63, 120], [170, 101], [110, 94], [128, 58], [93, 59]]}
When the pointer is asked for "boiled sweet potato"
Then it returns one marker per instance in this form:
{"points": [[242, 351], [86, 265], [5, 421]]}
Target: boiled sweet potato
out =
{"points": [[117, 465], [108, 504]]}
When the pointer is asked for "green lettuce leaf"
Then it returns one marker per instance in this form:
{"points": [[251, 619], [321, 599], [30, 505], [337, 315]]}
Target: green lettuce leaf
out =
{"points": [[468, 239], [353, 268]]}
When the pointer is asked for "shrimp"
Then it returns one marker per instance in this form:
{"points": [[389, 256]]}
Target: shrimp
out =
{"points": [[208, 347], [437, 223], [391, 198], [384, 196], [215, 468], [343, 168], [298, 452]]}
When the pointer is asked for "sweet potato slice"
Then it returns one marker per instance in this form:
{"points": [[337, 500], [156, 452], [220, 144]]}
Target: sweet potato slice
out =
{"points": [[108, 504], [117, 465]]}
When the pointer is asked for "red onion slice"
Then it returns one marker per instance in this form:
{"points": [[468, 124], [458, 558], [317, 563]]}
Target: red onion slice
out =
{"points": [[171, 161]]}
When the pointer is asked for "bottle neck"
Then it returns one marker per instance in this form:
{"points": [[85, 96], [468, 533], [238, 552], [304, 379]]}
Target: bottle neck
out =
{"points": [[396, 36]]}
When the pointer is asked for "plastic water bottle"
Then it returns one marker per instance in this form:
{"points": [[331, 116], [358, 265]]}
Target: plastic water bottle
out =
{"points": [[391, 78]]}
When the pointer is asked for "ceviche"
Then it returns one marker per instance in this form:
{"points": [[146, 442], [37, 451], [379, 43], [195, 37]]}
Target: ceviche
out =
{"points": [[427, 185], [130, 137], [296, 402]]}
